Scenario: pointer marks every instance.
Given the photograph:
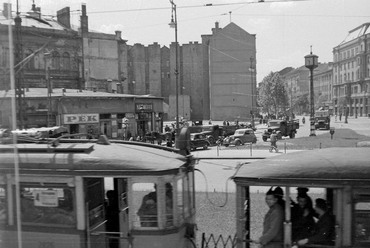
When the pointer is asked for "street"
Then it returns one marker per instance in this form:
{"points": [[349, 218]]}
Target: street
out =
{"points": [[217, 171]]}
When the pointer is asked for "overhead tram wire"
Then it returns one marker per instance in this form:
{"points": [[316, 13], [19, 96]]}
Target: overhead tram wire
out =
{"points": [[195, 6]]}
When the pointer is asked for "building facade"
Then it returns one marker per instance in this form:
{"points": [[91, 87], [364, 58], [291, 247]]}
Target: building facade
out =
{"points": [[230, 68], [351, 73], [216, 78], [81, 112]]}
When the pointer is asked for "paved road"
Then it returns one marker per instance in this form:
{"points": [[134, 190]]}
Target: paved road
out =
{"points": [[217, 171]]}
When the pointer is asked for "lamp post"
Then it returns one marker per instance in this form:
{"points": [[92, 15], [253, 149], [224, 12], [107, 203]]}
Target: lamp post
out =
{"points": [[251, 69], [311, 62], [48, 84], [173, 24]]}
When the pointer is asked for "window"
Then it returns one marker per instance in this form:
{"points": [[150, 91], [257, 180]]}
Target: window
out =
{"points": [[5, 58], [55, 62], [30, 64], [362, 217], [3, 206], [50, 204], [145, 207], [66, 62]]}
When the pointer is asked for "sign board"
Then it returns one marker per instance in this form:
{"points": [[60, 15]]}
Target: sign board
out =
{"points": [[46, 198], [80, 118], [130, 115], [144, 107]]}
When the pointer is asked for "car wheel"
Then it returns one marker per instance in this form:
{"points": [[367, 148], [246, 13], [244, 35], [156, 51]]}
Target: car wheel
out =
{"points": [[264, 138], [238, 143], [205, 147], [211, 140], [226, 145]]}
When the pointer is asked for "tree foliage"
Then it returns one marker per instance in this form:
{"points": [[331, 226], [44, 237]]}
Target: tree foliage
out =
{"points": [[272, 94]]}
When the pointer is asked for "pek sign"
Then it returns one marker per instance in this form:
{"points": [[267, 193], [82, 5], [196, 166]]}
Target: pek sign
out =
{"points": [[80, 118]]}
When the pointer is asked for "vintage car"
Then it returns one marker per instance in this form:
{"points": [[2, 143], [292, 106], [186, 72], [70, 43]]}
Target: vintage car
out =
{"points": [[240, 137], [198, 140]]}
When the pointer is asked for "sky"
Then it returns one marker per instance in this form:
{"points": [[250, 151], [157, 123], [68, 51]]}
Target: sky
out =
{"points": [[285, 29]]}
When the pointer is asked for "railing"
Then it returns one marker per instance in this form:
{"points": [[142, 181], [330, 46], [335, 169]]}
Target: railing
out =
{"points": [[218, 242]]}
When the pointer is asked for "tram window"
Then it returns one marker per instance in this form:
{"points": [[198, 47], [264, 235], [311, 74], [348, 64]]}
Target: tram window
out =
{"points": [[95, 197], [362, 218], [180, 200], [169, 205], [3, 206], [145, 205], [50, 204]]}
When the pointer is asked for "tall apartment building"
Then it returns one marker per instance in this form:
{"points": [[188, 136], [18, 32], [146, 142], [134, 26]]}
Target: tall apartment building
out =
{"points": [[323, 80], [230, 69], [351, 73]]}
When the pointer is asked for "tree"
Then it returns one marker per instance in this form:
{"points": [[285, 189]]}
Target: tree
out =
{"points": [[272, 94], [303, 103]]}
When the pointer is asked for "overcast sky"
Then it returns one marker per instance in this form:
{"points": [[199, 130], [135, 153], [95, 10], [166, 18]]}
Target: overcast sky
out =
{"points": [[284, 30]]}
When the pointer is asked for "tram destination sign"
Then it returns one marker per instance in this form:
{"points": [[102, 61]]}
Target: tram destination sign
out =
{"points": [[80, 118]]}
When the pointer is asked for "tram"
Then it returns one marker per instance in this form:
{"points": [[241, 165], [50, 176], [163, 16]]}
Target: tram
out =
{"points": [[95, 194], [342, 175]]}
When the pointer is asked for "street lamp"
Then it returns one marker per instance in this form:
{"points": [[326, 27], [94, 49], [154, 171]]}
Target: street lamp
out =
{"points": [[251, 69], [311, 62], [173, 24]]}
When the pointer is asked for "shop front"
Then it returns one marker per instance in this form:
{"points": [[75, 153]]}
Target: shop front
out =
{"points": [[87, 125]]}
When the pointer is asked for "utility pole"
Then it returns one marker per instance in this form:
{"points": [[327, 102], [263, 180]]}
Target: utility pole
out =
{"points": [[18, 54], [252, 90]]}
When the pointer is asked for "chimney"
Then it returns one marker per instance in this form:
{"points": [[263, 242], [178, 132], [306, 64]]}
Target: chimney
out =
{"points": [[216, 28], [84, 20], [7, 9], [118, 34], [64, 17]]}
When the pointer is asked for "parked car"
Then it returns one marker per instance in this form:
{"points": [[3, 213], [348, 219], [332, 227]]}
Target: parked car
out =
{"points": [[198, 140], [240, 137]]}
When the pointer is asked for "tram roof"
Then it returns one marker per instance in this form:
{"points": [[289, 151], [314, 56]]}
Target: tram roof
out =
{"points": [[91, 159], [331, 166]]}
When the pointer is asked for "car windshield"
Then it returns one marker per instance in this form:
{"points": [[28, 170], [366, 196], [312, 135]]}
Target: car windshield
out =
{"points": [[239, 132]]}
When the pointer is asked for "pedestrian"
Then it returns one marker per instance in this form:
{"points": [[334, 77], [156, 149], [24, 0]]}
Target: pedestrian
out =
{"points": [[324, 229], [273, 140], [272, 235]]}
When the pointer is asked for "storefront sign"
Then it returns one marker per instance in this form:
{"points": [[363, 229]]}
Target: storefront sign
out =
{"points": [[144, 107], [81, 118], [130, 115]]}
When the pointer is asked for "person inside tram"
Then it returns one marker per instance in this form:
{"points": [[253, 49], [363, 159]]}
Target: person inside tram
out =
{"points": [[272, 236], [324, 230], [302, 215], [112, 216], [148, 209]]}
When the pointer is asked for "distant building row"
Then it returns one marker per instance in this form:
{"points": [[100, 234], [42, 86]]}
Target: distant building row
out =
{"points": [[342, 85]]}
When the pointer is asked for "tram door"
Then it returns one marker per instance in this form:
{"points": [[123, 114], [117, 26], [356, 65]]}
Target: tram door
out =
{"points": [[120, 186], [107, 213]]}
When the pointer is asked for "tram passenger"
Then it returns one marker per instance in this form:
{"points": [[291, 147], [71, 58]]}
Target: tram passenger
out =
{"points": [[324, 230], [272, 236], [302, 215], [112, 216], [148, 210]]}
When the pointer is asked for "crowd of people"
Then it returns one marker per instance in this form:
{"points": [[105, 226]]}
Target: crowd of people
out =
{"points": [[310, 224]]}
